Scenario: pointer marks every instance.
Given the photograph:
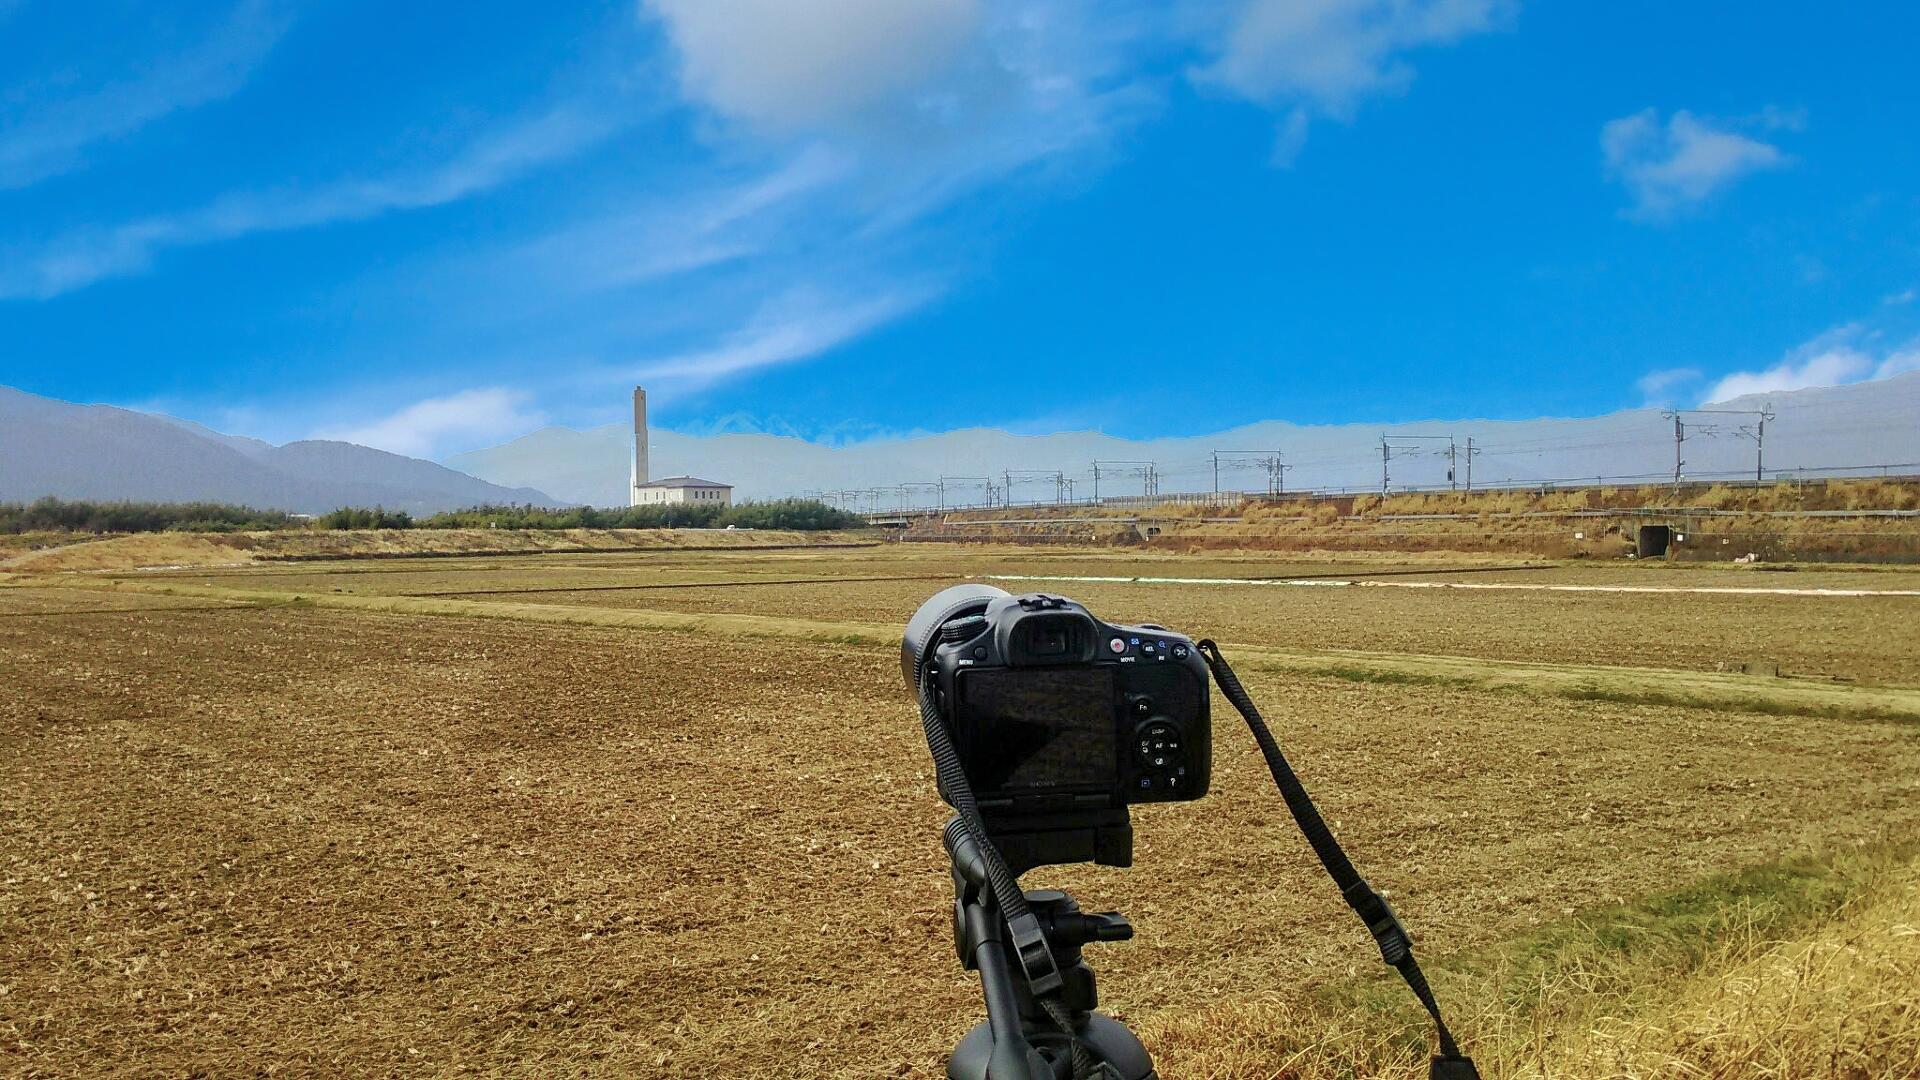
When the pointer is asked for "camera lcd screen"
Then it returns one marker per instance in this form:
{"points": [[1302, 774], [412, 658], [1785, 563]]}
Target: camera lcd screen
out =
{"points": [[1035, 728]]}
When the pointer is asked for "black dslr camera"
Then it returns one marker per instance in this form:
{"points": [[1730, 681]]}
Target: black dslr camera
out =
{"points": [[1061, 720], [1045, 724]]}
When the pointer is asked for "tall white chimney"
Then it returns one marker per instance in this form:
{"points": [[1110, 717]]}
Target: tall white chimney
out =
{"points": [[639, 475]]}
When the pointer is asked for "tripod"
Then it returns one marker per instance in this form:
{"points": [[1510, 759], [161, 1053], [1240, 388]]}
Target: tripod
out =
{"points": [[1019, 1040]]}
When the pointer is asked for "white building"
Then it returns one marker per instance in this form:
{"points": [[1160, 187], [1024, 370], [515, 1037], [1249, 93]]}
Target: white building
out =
{"points": [[676, 490], [673, 490]]}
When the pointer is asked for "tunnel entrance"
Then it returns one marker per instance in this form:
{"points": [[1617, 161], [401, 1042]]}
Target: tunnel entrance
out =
{"points": [[1653, 541]]}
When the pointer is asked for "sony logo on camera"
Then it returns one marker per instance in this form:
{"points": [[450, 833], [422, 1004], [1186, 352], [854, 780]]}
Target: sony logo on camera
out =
{"points": [[1056, 713]]}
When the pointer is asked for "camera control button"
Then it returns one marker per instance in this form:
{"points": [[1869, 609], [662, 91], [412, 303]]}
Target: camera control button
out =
{"points": [[1158, 743], [1179, 652], [1117, 645]]}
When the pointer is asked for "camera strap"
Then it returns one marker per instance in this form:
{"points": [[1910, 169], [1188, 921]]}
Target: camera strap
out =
{"points": [[1396, 945], [1028, 939]]}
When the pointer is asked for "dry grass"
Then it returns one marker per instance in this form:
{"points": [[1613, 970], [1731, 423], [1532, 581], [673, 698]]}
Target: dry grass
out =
{"points": [[1839, 1001], [1521, 521], [174, 549], [1798, 969]]}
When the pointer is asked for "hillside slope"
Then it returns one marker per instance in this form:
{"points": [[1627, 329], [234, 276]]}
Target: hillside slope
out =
{"points": [[50, 447]]}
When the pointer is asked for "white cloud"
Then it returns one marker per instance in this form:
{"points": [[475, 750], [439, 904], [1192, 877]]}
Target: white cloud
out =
{"points": [[929, 98], [438, 426], [1325, 56], [1683, 162], [794, 65], [1657, 387], [1840, 356], [54, 136], [86, 256]]}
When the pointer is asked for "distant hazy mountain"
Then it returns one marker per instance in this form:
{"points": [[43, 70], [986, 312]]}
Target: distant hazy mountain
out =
{"points": [[50, 447], [1817, 429]]}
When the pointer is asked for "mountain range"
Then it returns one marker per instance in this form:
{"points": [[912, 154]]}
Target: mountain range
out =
{"points": [[50, 447], [1820, 430]]}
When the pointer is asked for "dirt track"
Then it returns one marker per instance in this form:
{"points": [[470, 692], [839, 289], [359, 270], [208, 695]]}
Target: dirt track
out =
{"points": [[324, 841]]}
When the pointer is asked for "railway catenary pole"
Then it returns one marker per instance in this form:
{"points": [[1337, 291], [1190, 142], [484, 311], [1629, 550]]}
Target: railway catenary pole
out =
{"points": [[1679, 436], [1387, 442], [1757, 431], [1268, 460], [1150, 479]]}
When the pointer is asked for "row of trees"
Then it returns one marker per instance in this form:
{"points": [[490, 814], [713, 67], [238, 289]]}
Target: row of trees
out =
{"points": [[55, 515], [804, 514]]}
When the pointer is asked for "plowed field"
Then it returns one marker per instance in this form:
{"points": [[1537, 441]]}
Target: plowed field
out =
{"points": [[241, 837]]}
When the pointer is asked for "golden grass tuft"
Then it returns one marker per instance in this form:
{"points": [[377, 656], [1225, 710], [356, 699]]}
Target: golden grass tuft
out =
{"points": [[1839, 1002], [1789, 970]]}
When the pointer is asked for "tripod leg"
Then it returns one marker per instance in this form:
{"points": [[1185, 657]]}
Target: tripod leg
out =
{"points": [[1012, 1057], [998, 1049]]}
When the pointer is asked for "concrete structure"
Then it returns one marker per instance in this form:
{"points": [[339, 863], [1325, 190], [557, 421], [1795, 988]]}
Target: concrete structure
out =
{"points": [[676, 490], [637, 476]]}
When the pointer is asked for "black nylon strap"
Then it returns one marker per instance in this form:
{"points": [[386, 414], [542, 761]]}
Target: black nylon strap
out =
{"points": [[1022, 927], [1396, 945]]}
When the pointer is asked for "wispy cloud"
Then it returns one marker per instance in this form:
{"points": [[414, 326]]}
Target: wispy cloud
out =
{"points": [[53, 137], [674, 236], [436, 427], [1323, 57], [1844, 355], [860, 122], [84, 257], [1671, 166], [1657, 387], [798, 325]]}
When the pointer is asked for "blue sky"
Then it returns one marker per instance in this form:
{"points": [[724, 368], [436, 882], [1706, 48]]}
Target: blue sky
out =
{"points": [[433, 230]]}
